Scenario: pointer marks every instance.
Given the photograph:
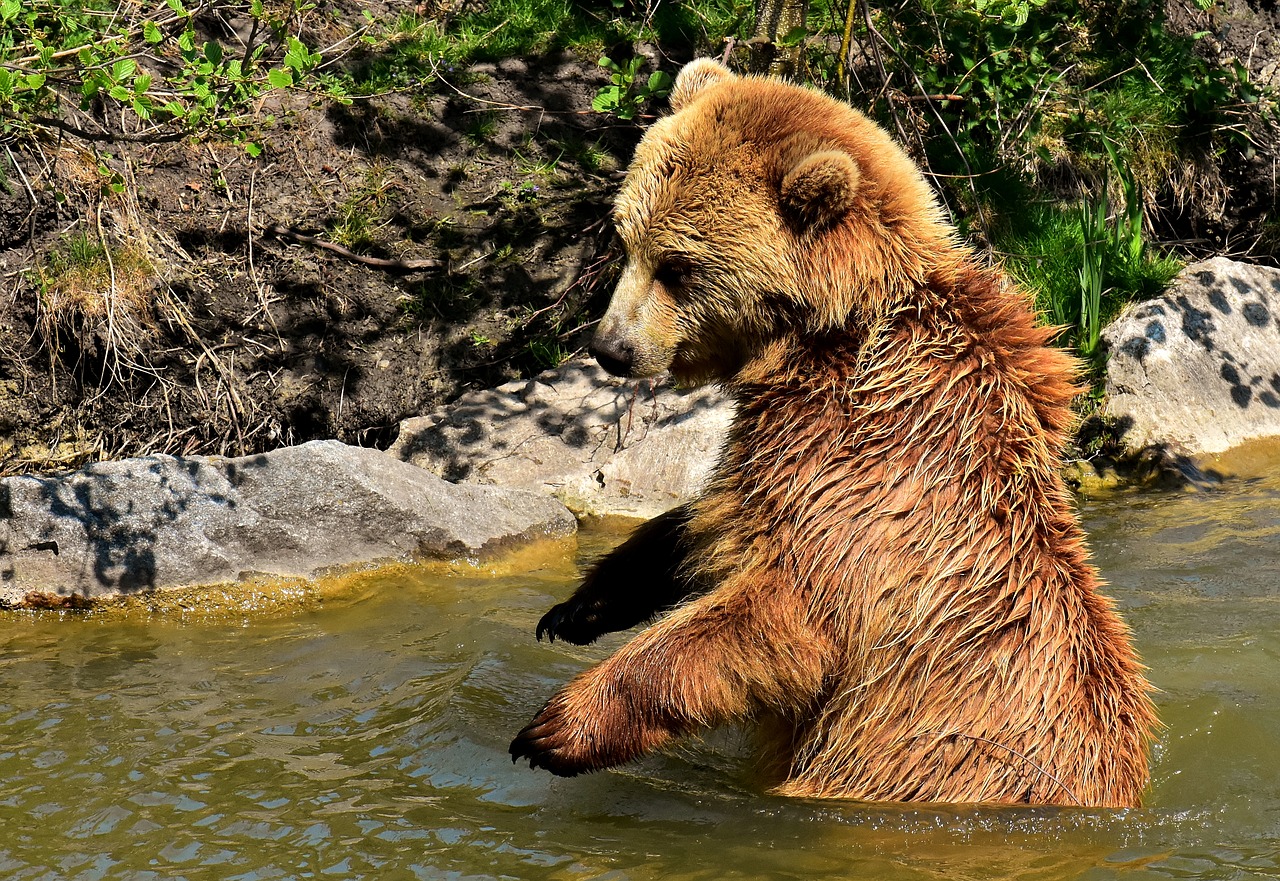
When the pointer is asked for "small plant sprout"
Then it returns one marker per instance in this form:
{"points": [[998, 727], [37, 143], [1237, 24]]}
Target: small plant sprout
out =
{"points": [[624, 96]]}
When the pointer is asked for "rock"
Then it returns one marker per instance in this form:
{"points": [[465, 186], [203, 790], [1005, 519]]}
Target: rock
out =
{"points": [[601, 445], [144, 524], [1197, 370]]}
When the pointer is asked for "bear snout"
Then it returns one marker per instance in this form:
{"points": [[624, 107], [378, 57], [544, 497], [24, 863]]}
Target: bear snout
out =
{"points": [[616, 355]]}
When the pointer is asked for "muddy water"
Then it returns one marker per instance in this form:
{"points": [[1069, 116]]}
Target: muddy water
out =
{"points": [[365, 737]]}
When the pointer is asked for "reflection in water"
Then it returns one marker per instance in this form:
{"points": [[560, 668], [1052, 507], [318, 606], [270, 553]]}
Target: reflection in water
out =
{"points": [[366, 737]]}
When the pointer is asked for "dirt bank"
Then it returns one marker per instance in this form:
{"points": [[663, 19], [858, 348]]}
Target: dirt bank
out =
{"points": [[485, 202]]}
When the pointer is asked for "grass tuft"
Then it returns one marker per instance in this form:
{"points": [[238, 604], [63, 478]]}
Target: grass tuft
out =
{"points": [[100, 300]]}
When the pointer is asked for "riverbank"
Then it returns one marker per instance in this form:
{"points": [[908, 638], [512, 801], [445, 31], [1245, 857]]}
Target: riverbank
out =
{"points": [[371, 259]]}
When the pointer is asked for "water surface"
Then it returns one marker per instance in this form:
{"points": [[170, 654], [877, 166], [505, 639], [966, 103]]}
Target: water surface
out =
{"points": [[365, 736]]}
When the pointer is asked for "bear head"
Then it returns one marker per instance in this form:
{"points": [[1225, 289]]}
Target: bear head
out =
{"points": [[758, 209]]}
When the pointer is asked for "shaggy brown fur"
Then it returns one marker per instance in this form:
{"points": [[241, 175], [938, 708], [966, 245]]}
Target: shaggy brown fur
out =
{"points": [[887, 572]]}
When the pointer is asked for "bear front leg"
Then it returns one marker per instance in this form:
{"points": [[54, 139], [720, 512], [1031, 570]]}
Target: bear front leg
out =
{"points": [[636, 581], [712, 660]]}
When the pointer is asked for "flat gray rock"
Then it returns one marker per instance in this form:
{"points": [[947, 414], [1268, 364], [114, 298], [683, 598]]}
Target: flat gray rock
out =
{"points": [[602, 445], [137, 525], [1197, 370]]}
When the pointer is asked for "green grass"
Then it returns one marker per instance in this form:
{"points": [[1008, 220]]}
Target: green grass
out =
{"points": [[411, 49], [1044, 249], [589, 156], [481, 127], [80, 251], [505, 28], [360, 216]]}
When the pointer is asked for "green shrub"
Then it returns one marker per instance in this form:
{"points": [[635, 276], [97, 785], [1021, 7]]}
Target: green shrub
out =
{"points": [[147, 74], [626, 94], [983, 85]]}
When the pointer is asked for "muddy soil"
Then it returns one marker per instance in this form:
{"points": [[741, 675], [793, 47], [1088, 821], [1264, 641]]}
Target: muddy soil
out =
{"points": [[1231, 209], [230, 334]]}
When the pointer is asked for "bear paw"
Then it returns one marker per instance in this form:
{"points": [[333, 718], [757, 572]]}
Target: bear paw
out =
{"points": [[578, 731], [553, 742], [571, 621]]}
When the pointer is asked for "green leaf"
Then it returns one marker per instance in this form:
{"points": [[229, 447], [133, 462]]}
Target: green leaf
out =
{"points": [[794, 36], [33, 81], [213, 52], [176, 6], [254, 150], [255, 9], [120, 93], [141, 83], [279, 78], [151, 32], [6, 83], [123, 69], [659, 83], [606, 99], [174, 109], [298, 56], [9, 9], [187, 41]]}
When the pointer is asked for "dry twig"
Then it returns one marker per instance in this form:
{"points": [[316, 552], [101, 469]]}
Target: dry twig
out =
{"points": [[285, 232]]}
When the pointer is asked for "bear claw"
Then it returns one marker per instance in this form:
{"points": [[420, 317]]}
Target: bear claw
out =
{"points": [[532, 744], [562, 621]]}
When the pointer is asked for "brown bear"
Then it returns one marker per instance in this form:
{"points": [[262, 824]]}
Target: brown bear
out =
{"points": [[886, 573]]}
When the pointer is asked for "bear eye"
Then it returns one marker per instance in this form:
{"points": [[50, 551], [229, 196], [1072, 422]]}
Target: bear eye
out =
{"points": [[674, 274]]}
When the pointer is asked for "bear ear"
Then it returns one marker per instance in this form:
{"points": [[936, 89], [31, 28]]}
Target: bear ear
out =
{"points": [[819, 190], [694, 77]]}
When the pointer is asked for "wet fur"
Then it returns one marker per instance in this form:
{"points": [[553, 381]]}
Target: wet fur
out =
{"points": [[887, 570]]}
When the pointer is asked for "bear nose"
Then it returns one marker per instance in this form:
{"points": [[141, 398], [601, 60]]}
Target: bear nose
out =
{"points": [[615, 355]]}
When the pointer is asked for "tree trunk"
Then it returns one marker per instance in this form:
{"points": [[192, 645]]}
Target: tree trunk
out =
{"points": [[774, 20]]}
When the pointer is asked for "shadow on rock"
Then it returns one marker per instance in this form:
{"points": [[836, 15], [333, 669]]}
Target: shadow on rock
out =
{"points": [[1197, 370]]}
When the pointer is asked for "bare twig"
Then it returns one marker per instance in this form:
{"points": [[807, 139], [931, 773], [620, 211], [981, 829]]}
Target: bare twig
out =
{"points": [[152, 136], [264, 303], [943, 97], [285, 232]]}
